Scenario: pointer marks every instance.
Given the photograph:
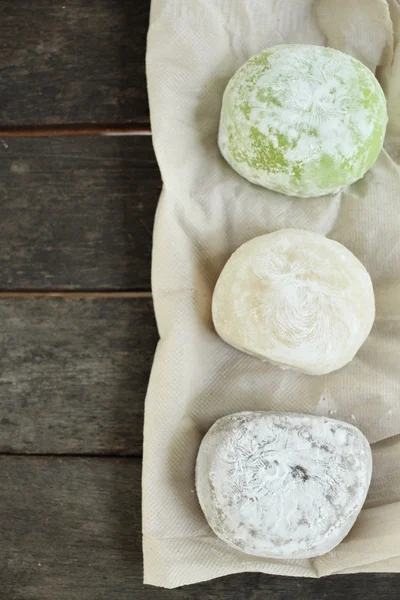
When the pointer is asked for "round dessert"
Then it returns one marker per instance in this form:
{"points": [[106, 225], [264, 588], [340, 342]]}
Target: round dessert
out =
{"points": [[282, 485], [302, 120], [295, 298]]}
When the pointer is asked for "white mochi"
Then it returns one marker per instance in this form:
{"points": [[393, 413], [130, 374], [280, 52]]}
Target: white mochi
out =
{"points": [[295, 298], [282, 485]]}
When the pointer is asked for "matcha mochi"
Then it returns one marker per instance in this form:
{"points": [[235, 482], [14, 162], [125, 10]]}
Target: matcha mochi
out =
{"points": [[302, 120]]}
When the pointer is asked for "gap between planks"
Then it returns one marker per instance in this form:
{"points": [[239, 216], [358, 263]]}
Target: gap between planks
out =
{"points": [[81, 129], [70, 455], [73, 294]]}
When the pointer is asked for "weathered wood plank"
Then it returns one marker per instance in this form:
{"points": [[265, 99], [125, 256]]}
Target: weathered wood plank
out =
{"points": [[77, 213], [73, 374], [70, 529], [65, 61]]}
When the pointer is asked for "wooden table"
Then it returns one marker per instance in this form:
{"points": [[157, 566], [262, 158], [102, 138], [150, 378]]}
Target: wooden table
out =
{"points": [[78, 331]]}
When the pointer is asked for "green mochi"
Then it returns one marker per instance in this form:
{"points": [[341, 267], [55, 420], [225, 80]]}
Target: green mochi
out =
{"points": [[302, 120]]}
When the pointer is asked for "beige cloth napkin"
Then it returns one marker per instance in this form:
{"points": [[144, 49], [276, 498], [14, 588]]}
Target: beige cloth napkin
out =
{"points": [[205, 212]]}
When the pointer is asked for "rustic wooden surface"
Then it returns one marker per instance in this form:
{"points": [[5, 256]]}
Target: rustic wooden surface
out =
{"points": [[68, 61], [77, 329], [77, 213], [71, 530], [73, 374]]}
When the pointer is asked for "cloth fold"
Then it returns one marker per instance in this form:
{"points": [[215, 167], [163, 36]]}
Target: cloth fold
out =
{"points": [[205, 212]]}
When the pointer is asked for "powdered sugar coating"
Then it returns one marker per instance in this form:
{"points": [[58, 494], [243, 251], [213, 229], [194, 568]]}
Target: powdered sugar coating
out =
{"points": [[295, 298], [302, 120], [282, 485]]}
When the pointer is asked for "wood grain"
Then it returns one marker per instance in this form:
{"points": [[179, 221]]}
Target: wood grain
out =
{"points": [[70, 61], [77, 213], [71, 529], [73, 374]]}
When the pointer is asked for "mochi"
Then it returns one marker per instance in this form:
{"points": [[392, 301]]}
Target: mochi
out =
{"points": [[302, 120], [295, 298], [282, 485]]}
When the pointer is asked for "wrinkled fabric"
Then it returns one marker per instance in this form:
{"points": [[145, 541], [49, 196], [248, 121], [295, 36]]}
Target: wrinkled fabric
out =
{"points": [[205, 212]]}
